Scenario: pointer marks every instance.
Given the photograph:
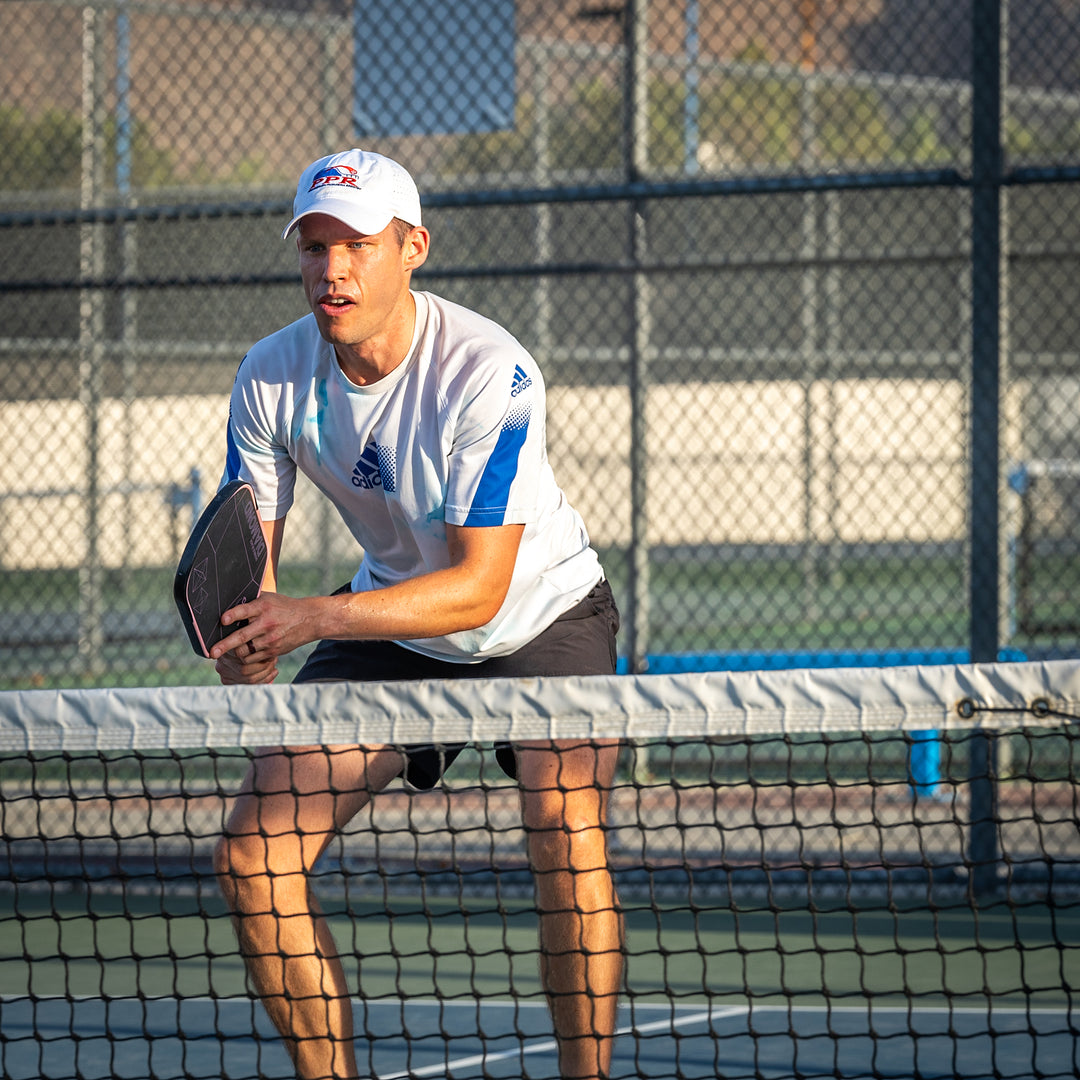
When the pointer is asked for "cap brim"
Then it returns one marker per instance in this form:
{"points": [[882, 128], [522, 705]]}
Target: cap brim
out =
{"points": [[364, 222]]}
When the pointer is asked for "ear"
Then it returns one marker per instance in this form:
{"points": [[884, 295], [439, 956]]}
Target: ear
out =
{"points": [[415, 249]]}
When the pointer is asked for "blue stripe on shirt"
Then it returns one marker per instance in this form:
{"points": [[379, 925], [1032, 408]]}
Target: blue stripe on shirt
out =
{"points": [[232, 451], [493, 492], [232, 454]]}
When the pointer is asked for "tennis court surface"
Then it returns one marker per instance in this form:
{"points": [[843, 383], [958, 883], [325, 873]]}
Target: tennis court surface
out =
{"points": [[231, 1038], [792, 908]]}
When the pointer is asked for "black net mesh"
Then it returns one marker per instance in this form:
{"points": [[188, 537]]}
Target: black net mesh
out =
{"points": [[833, 902]]}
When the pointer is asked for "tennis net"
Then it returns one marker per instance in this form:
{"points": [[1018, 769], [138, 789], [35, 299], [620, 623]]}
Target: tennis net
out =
{"points": [[796, 902]]}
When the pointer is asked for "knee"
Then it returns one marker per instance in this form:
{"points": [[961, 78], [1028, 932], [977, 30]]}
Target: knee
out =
{"points": [[565, 833]]}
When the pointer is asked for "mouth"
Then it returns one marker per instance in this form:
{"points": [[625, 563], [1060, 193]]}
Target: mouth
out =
{"points": [[334, 305]]}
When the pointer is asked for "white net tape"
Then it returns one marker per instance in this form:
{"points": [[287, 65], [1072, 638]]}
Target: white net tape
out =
{"points": [[945, 697]]}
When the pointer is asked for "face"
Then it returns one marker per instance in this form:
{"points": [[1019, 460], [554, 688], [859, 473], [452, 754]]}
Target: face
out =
{"points": [[358, 285]]}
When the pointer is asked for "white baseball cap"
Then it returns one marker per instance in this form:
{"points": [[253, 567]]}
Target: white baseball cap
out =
{"points": [[366, 191]]}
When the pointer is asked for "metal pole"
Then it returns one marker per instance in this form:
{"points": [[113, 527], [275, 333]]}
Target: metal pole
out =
{"points": [[832, 306], [691, 120], [542, 62], [91, 330], [129, 261], [811, 302], [989, 24], [328, 573], [636, 152]]}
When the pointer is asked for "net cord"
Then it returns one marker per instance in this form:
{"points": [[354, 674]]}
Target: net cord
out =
{"points": [[637, 707]]}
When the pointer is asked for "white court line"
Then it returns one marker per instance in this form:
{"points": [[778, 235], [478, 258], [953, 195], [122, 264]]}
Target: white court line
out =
{"points": [[679, 1015], [550, 1045], [920, 1010]]}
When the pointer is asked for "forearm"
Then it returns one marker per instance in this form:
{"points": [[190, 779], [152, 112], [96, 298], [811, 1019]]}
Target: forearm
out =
{"points": [[466, 594], [442, 602]]}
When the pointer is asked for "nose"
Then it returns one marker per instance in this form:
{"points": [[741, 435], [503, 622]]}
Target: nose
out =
{"points": [[336, 264]]}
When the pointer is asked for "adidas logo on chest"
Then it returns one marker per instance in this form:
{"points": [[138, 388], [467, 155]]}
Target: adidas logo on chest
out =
{"points": [[377, 467]]}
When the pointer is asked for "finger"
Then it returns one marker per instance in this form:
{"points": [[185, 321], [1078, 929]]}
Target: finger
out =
{"points": [[233, 672], [240, 613], [229, 664], [251, 663], [235, 643], [257, 677], [255, 651]]}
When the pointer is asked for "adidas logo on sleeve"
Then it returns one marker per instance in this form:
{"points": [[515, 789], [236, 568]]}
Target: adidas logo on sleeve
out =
{"points": [[521, 382]]}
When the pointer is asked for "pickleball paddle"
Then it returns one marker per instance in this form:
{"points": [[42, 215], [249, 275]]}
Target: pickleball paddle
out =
{"points": [[222, 565]]}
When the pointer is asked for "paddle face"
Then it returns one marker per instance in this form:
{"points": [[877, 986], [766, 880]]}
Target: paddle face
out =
{"points": [[222, 565]]}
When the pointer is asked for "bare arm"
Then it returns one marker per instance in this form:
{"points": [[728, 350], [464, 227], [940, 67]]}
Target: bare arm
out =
{"points": [[466, 594], [274, 531]]}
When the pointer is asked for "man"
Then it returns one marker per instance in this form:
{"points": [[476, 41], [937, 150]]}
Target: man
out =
{"points": [[423, 422]]}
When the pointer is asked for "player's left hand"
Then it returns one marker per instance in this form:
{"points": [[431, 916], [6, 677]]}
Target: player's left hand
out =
{"points": [[242, 667]]}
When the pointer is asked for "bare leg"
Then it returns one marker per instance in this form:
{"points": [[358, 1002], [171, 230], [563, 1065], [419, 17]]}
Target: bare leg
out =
{"points": [[564, 791], [291, 805]]}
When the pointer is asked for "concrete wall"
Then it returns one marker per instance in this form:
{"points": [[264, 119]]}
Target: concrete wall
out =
{"points": [[728, 465]]}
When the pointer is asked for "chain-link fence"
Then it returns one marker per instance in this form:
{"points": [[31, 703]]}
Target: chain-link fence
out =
{"points": [[802, 277]]}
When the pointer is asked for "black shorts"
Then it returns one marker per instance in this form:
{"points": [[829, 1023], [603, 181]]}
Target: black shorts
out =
{"points": [[581, 641]]}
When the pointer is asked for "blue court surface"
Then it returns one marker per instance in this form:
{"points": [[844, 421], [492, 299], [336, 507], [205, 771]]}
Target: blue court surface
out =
{"points": [[230, 1037]]}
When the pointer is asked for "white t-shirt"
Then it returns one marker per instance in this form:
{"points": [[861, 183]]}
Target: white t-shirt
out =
{"points": [[455, 433]]}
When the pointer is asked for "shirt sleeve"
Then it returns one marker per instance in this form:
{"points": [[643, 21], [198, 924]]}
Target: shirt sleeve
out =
{"points": [[254, 452], [498, 448]]}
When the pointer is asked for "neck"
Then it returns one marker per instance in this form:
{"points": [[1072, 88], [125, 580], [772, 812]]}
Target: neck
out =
{"points": [[376, 357]]}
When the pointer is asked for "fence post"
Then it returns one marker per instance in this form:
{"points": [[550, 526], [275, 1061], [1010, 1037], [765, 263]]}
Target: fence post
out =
{"points": [[636, 152], [989, 25], [91, 333], [129, 263], [692, 108]]}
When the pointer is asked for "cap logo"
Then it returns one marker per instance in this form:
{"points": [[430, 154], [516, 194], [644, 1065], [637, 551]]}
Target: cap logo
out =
{"points": [[335, 176]]}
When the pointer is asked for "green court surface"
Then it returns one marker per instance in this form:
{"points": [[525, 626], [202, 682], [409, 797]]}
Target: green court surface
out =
{"points": [[118, 947], [112, 986]]}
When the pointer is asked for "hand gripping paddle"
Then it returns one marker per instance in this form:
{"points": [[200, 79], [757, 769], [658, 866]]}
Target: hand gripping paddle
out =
{"points": [[222, 565]]}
